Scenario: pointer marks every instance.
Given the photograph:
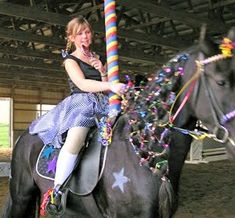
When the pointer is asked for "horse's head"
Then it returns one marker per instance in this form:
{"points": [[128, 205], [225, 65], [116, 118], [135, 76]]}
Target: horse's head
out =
{"points": [[217, 82]]}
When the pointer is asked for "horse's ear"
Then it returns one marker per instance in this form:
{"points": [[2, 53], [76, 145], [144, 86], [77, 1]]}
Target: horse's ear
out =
{"points": [[231, 34], [206, 44]]}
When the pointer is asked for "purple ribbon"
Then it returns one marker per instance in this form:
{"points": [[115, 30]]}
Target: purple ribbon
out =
{"points": [[227, 117]]}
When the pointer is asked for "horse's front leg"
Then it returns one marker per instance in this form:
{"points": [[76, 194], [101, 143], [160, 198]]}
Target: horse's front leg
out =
{"points": [[179, 147]]}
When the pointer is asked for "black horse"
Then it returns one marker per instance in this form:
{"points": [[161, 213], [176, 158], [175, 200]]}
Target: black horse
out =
{"points": [[191, 87]]}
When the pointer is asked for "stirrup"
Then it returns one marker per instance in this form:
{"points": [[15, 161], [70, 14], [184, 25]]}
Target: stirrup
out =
{"points": [[54, 202]]}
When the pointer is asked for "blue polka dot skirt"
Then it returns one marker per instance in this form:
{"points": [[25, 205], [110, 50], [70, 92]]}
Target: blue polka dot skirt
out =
{"points": [[80, 109]]}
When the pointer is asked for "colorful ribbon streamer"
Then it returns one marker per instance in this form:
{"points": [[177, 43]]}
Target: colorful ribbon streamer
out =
{"points": [[112, 54]]}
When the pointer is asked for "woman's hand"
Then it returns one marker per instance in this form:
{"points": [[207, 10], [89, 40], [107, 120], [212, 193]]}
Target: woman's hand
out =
{"points": [[118, 88], [97, 64]]}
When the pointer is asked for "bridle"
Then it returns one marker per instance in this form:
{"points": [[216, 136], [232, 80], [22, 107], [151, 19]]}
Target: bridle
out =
{"points": [[220, 132]]}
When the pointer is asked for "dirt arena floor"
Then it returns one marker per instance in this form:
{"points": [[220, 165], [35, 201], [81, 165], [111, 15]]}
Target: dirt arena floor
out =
{"points": [[206, 190]]}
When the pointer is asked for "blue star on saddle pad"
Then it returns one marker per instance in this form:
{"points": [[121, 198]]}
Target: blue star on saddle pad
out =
{"points": [[47, 152], [46, 162], [120, 180]]}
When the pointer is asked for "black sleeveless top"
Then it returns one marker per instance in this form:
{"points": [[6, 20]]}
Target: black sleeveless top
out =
{"points": [[89, 72]]}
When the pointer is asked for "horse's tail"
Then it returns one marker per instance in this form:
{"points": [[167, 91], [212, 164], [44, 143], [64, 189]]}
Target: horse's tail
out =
{"points": [[166, 198], [6, 208]]}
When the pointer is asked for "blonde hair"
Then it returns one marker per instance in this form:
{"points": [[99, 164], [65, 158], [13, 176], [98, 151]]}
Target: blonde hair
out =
{"points": [[73, 27]]}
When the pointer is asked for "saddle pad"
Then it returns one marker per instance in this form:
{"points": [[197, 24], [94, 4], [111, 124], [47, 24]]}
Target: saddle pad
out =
{"points": [[85, 175], [46, 162]]}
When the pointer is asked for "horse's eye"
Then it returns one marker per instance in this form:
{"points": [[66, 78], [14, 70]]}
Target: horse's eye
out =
{"points": [[221, 82]]}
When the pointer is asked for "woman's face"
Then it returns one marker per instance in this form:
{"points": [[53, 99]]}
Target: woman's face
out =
{"points": [[82, 38]]}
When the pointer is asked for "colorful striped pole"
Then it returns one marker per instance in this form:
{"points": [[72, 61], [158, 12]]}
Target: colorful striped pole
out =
{"points": [[112, 53]]}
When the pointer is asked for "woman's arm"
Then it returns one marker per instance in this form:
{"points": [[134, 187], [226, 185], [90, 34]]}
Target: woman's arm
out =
{"points": [[87, 85], [97, 64]]}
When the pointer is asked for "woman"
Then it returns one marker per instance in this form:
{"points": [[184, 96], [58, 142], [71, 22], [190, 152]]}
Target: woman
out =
{"points": [[76, 114]]}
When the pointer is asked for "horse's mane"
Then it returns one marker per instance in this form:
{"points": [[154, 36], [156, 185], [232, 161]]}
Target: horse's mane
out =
{"points": [[148, 112]]}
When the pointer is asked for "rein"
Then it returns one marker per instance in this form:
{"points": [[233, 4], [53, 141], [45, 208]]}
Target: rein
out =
{"points": [[191, 82]]}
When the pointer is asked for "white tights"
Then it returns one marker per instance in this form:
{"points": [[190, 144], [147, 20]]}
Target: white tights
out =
{"points": [[68, 155]]}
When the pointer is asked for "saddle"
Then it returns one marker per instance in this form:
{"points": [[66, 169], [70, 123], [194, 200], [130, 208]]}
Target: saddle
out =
{"points": [[85, 175]]}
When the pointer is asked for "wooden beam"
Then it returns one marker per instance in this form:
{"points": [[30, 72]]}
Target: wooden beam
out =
{"points": [[88, 10], [223, 3], [16, 77], [30, 37], [25, 77], [132, 56], [175, 44], [146, 24], [153, 39], [124, 54], [27, 83], [45, 74], [61, 20], [137, 69], [33, 13], [139, 57], [26, 52], [192, 20], [39, 73], [32, 64]]}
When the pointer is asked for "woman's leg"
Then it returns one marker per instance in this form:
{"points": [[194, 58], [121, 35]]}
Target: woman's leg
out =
{"points": [[65, 164], [68, 155]]}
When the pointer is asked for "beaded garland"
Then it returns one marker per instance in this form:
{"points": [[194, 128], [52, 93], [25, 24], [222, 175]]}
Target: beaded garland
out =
{"points": [[148, 111]]}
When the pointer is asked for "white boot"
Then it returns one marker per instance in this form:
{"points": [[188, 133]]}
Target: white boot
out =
{"points": [[64, 167]]}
